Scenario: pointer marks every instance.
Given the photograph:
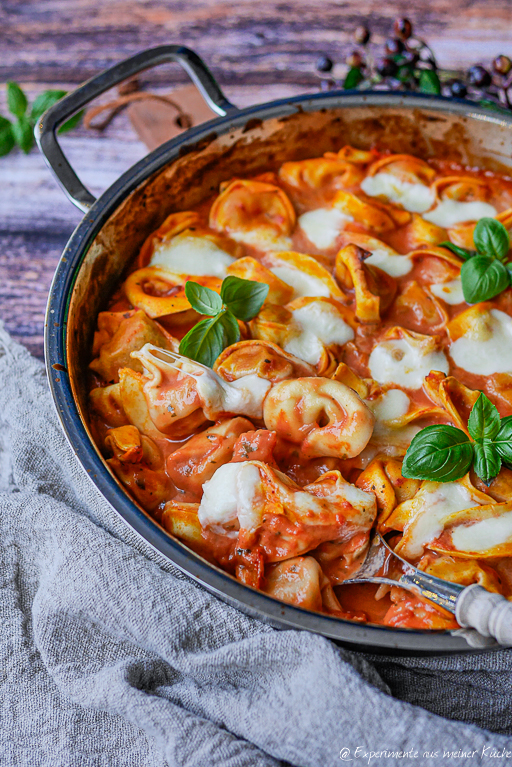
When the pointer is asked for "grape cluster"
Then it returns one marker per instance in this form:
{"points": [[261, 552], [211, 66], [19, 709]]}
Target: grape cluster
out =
{"points": [[409, 64]]}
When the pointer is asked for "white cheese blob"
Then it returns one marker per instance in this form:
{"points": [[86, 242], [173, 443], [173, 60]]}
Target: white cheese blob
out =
{"points": [[392, 264], [390, 406], [244, 396], [322, 226], [321, 325], [219, 504], [413, 197], [486, 349], [435, 504], [397, 361], [450, 292], [484, 535], [197, 256], [230, 495], [263, 239], [304, 285], [450, 212]]}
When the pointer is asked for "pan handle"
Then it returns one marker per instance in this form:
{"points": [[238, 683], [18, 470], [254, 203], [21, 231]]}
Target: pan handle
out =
{"points": [[46, 128]]}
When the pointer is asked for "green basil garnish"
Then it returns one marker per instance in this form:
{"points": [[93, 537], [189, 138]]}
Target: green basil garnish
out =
{"points": [[460, 252], [238, 299], [244, 298], [443, 453], [491, 238], [484, 420], [483, 278], [483, 273], [203, 300]]}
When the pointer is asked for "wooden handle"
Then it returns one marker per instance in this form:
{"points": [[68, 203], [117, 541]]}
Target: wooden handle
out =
{"points": [[490, 614]]}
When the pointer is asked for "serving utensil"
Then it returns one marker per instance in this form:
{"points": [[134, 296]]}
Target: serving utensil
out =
{"points": [[473, 606]]}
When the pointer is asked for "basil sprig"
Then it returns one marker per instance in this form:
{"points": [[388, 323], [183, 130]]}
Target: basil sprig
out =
{"points": [[484, 273], [443, 453], [21, 131], [238, 300]]}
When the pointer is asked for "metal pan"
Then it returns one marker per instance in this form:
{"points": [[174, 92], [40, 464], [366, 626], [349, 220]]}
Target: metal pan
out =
{"points": [[178, 175]]}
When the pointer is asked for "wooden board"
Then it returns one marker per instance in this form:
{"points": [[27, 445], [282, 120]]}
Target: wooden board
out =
{"points": [[258, 52]]}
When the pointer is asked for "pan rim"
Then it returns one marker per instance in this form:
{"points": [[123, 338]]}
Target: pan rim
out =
{"points": [[362, 637]]}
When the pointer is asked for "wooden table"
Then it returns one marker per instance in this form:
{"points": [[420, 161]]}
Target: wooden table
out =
{"points": [[258, 51]]}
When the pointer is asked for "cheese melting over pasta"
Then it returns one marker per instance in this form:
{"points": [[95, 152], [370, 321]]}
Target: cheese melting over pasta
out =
{"points": [[196, 256], [450, 212], [304, 285], [434, 504], [486, 350], [390, 406], [223, 493], [397, 361], [321, 325], [483, 535], [390, 263], [450, 292], [416, 198], [323, 225], [263, 239]]}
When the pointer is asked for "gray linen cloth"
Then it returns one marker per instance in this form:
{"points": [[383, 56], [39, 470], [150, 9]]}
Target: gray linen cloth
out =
{"points": [[110, 656]]}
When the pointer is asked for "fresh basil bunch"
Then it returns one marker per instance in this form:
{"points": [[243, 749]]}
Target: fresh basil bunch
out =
{"points": [[238, 300], [21, 131], [485, 273], [443, 453]]}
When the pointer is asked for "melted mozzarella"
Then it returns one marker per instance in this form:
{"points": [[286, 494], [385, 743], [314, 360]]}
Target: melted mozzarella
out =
{"points": [[197, 256], [219, 504], [486, 350], [435, 504], [483, 535], [390, 263], [231, 494], [302, 284], [413, 197], [241, 397], [321, 325], [397, 361], [450, 292], [322, 226], [263, 239], [390, 406], [450, 212]]}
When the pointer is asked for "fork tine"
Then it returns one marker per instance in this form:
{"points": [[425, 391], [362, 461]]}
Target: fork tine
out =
{"points": [[179, 358]]}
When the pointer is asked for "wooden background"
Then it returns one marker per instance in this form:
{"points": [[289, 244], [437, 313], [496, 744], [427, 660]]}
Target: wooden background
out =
{"points": [[257, 50]]}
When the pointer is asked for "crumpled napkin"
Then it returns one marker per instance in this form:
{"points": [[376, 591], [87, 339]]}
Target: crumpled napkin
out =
{"points": [[110, 656]]}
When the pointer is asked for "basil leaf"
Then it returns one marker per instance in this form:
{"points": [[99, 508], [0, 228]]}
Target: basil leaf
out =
{"points": [[491, 238], [203, 300], [243, 297], [483, 278], [429, 82], [16, 100], [487, 461], [209, 337], [23, 134], [44, 101], [460, 252], [353, 78], [6, 138], [440, 453], [231, 329], [503, 441], [484, 419]]}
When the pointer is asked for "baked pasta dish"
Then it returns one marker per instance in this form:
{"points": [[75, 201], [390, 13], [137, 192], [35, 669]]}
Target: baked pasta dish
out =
{"points": [[310, 355]]}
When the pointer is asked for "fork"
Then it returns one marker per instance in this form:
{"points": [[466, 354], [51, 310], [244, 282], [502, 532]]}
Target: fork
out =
{"points": [[473, 606]]}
